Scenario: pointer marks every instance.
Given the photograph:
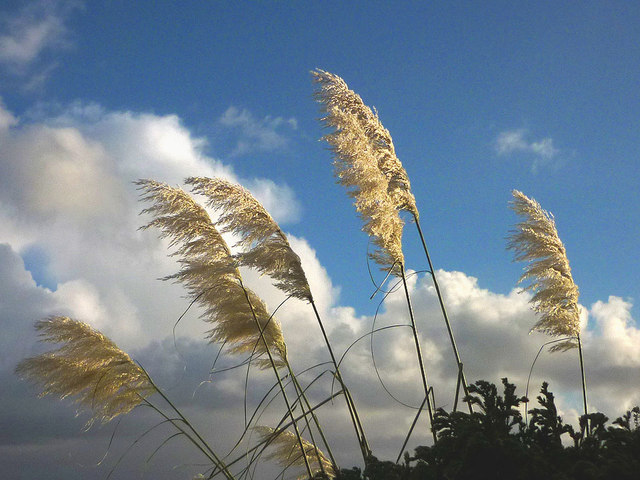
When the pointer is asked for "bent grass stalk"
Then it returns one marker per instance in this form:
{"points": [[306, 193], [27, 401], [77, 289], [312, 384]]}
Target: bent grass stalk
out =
{"points": [[536, 241], [423, 373], [268, 250], [353, 412], [362, 145], [452, 339], [303, 451]]}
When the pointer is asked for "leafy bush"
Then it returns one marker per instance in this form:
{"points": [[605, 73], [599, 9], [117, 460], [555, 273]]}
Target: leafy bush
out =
{"points": [[495, 442]]}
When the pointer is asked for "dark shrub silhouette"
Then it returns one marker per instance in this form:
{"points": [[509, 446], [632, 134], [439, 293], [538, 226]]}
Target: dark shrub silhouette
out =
{"points": [[494, 442]]}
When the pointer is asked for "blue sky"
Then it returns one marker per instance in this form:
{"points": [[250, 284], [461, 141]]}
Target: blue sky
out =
{"points": [[479, 99], [446, 79]]}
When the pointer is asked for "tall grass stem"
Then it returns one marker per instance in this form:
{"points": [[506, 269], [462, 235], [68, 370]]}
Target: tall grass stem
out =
{"points": [[444, 314], [355, 419], [282, 389], [584, 382], [423, 373]]}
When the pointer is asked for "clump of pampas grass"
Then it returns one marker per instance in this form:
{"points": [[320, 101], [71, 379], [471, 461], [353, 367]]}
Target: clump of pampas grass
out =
{"points": [[211, 275], [265, 247]]}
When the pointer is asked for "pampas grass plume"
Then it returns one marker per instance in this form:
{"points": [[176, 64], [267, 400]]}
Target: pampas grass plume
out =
{"points": [[285, 450], [535, 240], [211, 276], [366, 164], [87, 366], [265, 245]]}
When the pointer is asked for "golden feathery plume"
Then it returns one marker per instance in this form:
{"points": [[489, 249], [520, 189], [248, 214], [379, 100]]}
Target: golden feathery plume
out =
{"points": [[357, 167], [536, 240], [88, 366], [343, 107], [285, 450], [266, 247], [211, 276]]}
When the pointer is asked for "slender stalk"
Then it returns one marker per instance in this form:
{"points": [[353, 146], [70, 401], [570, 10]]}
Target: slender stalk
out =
{"points": [[423, 373], [282, 389], [355, 419], [303, 395], [300, 394], [211, 455], [415, 420], [279, 429], [526, 392], [458, 382], [444, 314], [584, 381]]}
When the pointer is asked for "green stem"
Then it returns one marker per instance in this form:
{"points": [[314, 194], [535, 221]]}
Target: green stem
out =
{"points": [[415, 420], [303, 395], [211, 454], [279, 429], [277, 374], [584, 381], [423, 373], [444, 314], [355, 419]]}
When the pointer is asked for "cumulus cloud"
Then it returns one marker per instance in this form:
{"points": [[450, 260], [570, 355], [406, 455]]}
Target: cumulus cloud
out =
{"points": [[253, 134], [491, 330], [65, 190], [516, 141]]}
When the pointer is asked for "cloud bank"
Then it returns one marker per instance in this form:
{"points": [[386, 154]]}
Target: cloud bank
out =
{"points": [[66, 194]]}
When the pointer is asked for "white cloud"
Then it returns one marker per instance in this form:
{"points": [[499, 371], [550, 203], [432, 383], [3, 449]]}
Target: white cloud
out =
{"points": [[6, 119], [511, 141], [491, 330], [30, 33], [516, 141], [66, 188], [253, 134], [279, 200], [618, 336]]}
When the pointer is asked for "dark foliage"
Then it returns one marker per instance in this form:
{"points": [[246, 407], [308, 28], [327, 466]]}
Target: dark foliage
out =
{"points": [[495, 442]]}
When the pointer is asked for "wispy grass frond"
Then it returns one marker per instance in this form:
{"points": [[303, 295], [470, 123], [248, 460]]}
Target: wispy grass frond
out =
{"points": [[285, 450], [363, 154], [343, 107], [535, 240], [356, 165], [211, 276], [265, 245], [87, 366]]}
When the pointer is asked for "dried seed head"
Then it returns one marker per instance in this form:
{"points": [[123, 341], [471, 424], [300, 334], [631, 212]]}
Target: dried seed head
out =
{"points": [[89, 367], [211, 276], [536, 240], [265, 245], [366, 164], [285, 450], [336, 97]]}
